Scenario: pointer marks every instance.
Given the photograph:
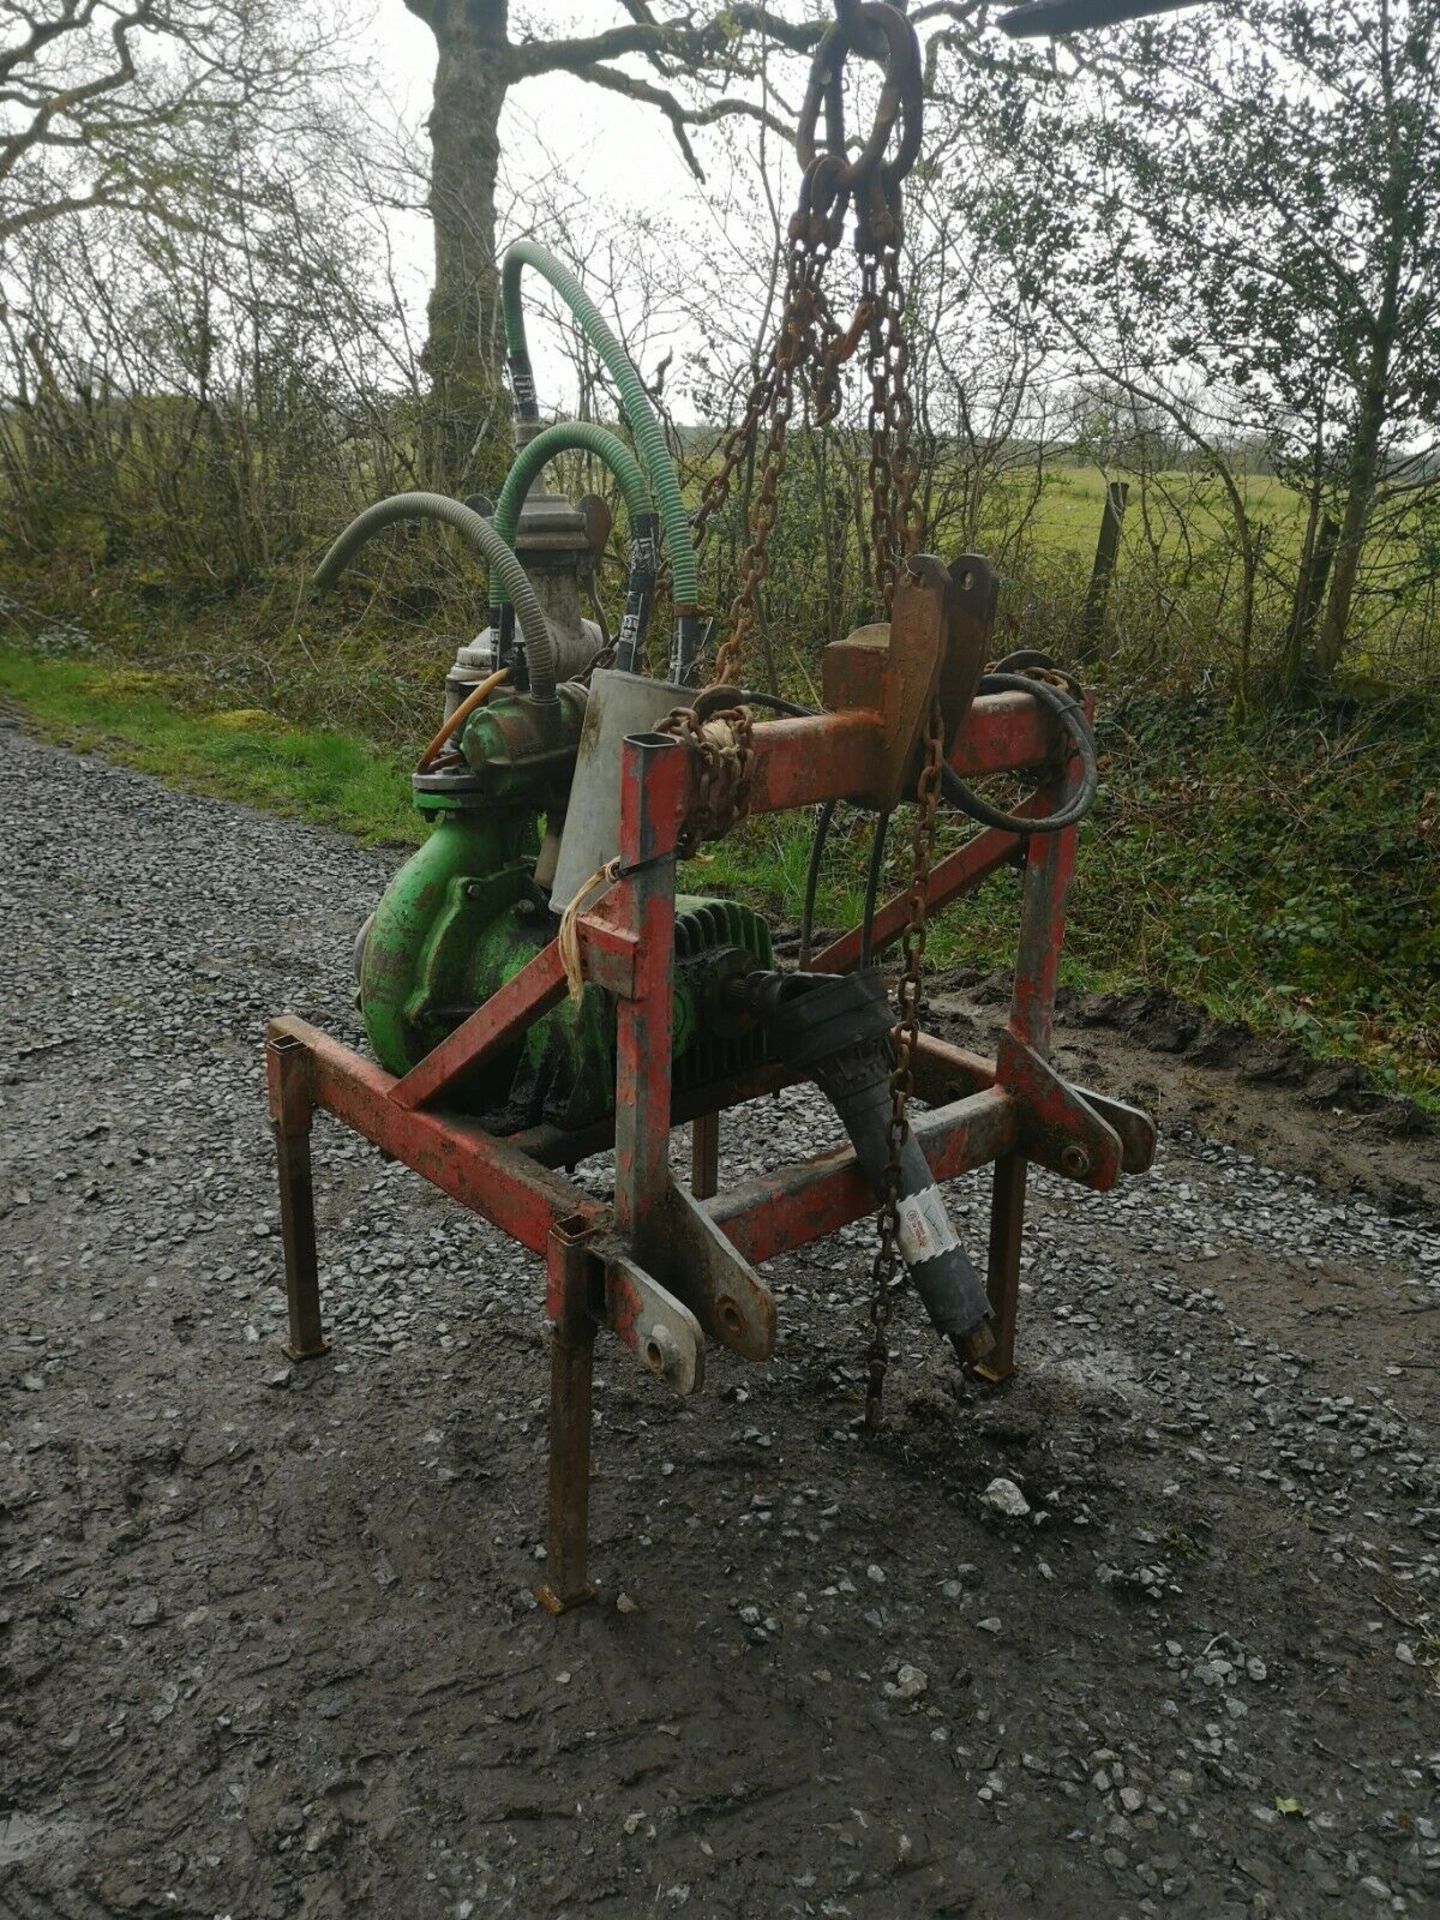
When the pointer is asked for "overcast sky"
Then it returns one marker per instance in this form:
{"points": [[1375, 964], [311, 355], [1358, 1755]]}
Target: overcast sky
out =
{"points": [[630, 146]]}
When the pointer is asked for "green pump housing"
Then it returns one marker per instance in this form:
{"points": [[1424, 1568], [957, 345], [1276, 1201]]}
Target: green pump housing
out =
{"points": [[466, 912], [472, 906]]}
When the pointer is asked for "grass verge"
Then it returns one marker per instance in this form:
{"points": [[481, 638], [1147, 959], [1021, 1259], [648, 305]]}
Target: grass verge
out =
{"points": [[152, 721]]}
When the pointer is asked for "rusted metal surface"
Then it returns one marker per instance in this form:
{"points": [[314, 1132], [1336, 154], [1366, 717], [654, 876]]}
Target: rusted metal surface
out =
{"points": [[701, 1265], [484, 1174], [1060, 1129], [944, 1072], [704, 1155], [610, 953], [837, 756], [654, 774], [974, 591], [895, 670], [661, 1331], [569, 1293], [291, 1111], [1002, 1273], [1049, 869], [804, 1202]]}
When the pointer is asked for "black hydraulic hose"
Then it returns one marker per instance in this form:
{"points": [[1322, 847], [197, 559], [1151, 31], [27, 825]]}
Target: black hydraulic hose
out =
{"points": [[790, 708], [823, 818], [1071, 715], [872, 883], [539, 646]]}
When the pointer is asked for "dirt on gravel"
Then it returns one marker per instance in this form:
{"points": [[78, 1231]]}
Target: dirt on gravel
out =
{"points": [[1152, 1630]]}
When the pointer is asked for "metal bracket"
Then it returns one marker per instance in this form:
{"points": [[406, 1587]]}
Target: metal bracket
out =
{"points": [[1059, 1128], [895, 671], [944, 1073], [723, 1291], [659, 1330], [974, 592]]}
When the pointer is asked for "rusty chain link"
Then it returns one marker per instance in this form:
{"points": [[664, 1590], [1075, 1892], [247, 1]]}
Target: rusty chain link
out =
{"points": [[810, 346], [904, 1039], [723, 742]]}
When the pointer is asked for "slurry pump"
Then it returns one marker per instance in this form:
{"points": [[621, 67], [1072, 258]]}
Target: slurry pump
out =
{"points": [[536, 986]]}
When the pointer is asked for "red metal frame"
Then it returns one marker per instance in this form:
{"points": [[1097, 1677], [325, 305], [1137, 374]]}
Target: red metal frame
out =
{"points": [[662, 1269]]}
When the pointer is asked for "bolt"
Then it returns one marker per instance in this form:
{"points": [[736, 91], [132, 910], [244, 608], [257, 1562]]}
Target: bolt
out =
{"points": [[1075, 1161]]}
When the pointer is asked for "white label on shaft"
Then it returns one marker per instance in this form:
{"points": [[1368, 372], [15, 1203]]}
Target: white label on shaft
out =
{"points": [[924, 1227]]}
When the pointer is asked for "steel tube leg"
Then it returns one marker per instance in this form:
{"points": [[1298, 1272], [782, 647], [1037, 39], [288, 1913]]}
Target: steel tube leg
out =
{"points": [[1002, 1279], [291, 1112], [572, 1354], [705, 1156]]}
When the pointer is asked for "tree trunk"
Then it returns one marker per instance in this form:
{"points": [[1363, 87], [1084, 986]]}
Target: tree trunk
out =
{"points": [[1363, 478], [464, 348]]}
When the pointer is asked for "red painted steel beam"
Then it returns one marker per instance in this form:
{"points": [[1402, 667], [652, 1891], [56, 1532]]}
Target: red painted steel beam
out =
{"points": [[942, 1070], [484, 1174], [1049, 870], [654, 783], [957, 872], [1002, 733], [531, 993], [799, 763], [815, 1197]]}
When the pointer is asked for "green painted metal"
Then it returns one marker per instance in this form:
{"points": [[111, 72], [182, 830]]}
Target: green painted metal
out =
{"points": [[519, 749], [437, 908], [461, 917]]}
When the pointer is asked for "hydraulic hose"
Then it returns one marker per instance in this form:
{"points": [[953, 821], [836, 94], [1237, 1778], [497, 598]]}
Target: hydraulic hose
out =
{"points": [[872, 884], [584, 436], [1071, 715], [639, 413], [539, 647], [814, 867]]}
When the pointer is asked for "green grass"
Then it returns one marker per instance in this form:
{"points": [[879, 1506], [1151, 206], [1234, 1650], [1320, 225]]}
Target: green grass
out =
{"points": [[147, 720], [1286, 875], [1067, 518]]}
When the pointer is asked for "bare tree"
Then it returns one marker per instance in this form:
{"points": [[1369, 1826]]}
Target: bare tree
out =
{"points": [[697, 66], [97, 97]]}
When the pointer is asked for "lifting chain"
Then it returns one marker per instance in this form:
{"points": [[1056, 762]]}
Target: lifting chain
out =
{"points": [[722, 737], [904, 1039], [810, 346]]}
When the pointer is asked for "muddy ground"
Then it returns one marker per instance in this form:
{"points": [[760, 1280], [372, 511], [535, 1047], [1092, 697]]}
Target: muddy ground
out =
{"points": [[267, 1643]]}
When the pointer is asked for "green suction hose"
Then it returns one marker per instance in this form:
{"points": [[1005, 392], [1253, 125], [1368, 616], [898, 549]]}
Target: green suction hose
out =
{"points": [[639, 413], [644, 526], [497, 554], [569, 436]]}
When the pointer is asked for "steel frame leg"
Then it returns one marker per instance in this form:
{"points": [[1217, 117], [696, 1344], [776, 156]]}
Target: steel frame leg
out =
{"points": [[572, 1356], [292, 1112], [1049, 868], [705, 1156], [1002, 1273]]}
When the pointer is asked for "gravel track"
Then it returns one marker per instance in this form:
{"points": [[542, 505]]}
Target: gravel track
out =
{"points": [[266, 1634]]}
